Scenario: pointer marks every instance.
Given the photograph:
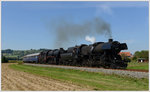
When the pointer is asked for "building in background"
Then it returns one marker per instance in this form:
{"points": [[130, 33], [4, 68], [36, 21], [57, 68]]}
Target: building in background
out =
{"points": [[127, 54], [141, 60]]}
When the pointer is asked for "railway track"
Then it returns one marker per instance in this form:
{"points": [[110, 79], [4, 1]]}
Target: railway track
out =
{"points": [[136, 70], [122, 72]]}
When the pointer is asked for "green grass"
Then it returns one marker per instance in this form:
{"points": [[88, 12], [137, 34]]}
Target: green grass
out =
{"points": [[16, 56], [136, 65], [14, 61], [96, 81]]}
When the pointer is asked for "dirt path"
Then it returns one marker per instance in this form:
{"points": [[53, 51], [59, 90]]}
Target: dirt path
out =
{"points": [[13, 80]]}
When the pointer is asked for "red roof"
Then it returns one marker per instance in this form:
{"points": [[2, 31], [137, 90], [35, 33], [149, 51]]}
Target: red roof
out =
{"points": [[126, 54]]}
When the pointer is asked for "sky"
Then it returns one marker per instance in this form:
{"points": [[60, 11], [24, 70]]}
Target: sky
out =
{"points": [[33, 25]]}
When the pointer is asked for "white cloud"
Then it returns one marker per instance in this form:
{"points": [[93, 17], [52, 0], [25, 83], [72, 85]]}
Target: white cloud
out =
{"points": [[107, 7], [103, 9]]}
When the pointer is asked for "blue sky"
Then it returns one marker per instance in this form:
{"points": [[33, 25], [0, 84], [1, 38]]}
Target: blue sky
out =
{"points": [[28, 25]]}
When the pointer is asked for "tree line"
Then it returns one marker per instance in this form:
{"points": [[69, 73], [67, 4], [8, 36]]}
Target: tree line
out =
{"points": [[18, 54], [141, 54]]}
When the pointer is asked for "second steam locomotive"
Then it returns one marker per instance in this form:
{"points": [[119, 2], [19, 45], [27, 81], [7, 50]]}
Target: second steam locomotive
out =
{"points": [[99, 54]]}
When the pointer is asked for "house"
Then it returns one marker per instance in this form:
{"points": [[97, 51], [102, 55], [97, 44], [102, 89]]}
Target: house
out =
{"points": [[141, 60], [128, 54]]}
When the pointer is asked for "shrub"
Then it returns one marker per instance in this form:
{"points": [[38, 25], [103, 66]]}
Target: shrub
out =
{"points": [[20, 62], [13, 61], [4, 59]]}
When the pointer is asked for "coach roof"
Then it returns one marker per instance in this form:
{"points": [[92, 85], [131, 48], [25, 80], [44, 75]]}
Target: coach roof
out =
{"points": [[34, 54]]}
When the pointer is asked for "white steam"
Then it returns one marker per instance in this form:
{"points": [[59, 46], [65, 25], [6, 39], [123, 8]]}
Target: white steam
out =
{"points": [[90, 39]]}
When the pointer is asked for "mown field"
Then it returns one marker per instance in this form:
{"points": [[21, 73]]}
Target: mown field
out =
{"points": [[140, 66], [14, 80], [96, 81]]}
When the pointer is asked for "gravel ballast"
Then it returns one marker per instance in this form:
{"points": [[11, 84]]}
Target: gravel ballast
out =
{"points": [[133, 74]]}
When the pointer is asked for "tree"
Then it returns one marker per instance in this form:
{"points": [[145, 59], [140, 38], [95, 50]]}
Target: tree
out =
{"points": [[141, 54], [4, 59]]}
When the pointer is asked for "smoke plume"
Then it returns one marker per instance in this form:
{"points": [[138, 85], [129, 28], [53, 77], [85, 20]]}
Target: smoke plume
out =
{"points": [[90, 39], [69, 31]]}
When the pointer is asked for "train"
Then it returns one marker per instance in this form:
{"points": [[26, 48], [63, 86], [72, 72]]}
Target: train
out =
{"points": [[98, 54]]}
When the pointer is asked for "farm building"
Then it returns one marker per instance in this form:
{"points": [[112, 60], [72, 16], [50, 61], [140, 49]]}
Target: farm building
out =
{"points": [[128, 54], [141, 60]]}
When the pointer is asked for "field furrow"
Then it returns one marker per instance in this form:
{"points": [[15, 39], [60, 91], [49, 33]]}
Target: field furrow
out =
{"points": [[13, 80]]}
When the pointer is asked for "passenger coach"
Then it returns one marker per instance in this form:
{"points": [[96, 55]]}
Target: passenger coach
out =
{"points": [[31, 58]]}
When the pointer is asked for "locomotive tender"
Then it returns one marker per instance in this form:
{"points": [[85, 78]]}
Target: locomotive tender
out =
{"points": [[99, 54]]}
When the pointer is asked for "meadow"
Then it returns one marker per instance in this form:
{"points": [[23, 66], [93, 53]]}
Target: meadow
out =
{"points": [[140, 66], [96, 81]]}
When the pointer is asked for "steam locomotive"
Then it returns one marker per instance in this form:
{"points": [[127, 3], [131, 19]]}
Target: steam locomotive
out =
{"points": [[99, 54]]}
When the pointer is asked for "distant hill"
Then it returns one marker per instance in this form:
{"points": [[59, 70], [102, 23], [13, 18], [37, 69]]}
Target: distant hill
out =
{"points": [[18, 54]]}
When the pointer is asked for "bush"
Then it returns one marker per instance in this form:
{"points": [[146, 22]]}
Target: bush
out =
{"points": [[134, 58], [20, 62], [4, 59], [13, 61]]}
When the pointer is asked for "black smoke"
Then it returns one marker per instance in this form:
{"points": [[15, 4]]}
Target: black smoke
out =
{"points": [[68, 31]]}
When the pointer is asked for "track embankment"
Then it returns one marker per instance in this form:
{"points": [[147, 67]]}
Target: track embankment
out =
{"points": [[129, 73], [13, 80]]}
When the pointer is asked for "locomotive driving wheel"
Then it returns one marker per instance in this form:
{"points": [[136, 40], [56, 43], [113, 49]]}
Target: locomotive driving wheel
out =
{"points": [[113, 66]]}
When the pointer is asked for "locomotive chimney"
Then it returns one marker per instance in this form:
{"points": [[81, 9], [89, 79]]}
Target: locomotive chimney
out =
{"points": [[110, 40]]}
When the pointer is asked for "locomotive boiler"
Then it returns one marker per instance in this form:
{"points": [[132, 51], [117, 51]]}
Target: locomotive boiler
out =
{"points": [[99, 54]]}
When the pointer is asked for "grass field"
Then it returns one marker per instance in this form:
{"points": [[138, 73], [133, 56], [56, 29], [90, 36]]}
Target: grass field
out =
{"points": [[136, 65], [14, 61], [96, 81]]}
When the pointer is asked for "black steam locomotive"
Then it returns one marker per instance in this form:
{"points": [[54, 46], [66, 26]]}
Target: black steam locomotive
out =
{"points": [[99, 54]]}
